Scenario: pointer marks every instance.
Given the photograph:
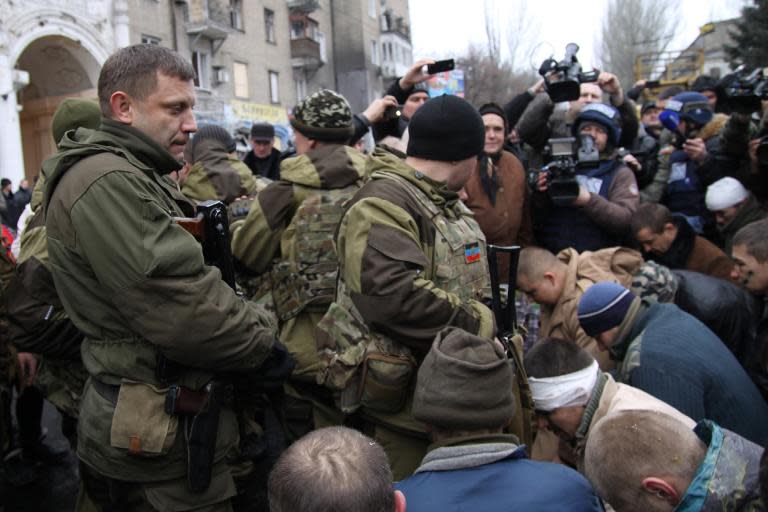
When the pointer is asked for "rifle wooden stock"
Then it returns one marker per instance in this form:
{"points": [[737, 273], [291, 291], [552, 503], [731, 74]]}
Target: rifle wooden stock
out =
{"points": [[193, 225]]}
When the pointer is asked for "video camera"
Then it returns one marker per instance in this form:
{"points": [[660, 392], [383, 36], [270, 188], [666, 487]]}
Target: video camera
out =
{"points": [[562, 79], [567, 155], [744, 91]]}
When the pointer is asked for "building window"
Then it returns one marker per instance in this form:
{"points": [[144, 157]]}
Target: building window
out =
{"points": [[240, 71], [202, 71], [321, 41], [236, 14], [372, 8], [147, 39], [375, 53], [269, 25], [274, 87], [301, 88], [302, 26]]}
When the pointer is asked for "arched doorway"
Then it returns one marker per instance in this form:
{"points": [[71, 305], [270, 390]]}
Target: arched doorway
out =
{"points": [[58, 68]]}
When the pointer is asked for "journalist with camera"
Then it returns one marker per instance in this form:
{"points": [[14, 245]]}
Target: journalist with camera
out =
{"points": [[692, 162], [744, 140], [567, 89], [585, 200]]}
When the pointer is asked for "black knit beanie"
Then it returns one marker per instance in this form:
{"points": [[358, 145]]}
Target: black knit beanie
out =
{"points": [[446, 129], [464, 383]]}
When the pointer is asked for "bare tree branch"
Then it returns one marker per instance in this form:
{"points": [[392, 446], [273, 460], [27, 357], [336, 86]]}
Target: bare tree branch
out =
{"points": [[635, 27]]}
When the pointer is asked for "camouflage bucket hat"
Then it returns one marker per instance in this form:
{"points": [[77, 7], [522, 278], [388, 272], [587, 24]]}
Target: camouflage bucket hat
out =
{"points": [[325, 115]]}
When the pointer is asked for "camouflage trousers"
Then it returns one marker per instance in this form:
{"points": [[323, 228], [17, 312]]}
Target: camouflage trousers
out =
{"points": [[654, 283]]}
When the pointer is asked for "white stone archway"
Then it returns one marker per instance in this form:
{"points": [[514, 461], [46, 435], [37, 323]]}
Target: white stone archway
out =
{"points": [[92, 29]]}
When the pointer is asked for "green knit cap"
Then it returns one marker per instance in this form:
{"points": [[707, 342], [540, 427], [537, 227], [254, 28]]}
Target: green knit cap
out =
{"points": [[74, 113], [325, 115]]}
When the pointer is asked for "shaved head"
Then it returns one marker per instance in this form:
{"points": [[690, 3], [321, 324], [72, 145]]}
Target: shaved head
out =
{"points": [[534, 261], [658, 445]]}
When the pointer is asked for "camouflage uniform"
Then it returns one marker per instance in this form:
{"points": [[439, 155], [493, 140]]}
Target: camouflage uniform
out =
{"points": [[728, 477], [412, 261], [288, 236], [216, 173]]}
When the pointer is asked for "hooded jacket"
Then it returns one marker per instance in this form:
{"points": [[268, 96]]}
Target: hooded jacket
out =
{"points": [[135, 284], [399, 268], [215, 174]]}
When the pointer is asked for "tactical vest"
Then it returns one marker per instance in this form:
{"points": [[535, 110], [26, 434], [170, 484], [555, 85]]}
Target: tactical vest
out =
{"points": [[685, 192], [568, 226], [306, 280], [369, 369]]}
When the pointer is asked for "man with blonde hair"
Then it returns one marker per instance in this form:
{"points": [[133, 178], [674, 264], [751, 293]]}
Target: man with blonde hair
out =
{"points": [[649, 461]]}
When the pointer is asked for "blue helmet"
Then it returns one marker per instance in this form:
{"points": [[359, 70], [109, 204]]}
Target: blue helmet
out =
{"points": [[690, 106], [602, 114]]}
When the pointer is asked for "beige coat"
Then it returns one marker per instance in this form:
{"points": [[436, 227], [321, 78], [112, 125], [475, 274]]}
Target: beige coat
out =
{"points": [[615, 397], [617, 264]]}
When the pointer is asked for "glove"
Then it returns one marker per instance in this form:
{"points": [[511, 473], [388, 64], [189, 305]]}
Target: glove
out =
{"points": [[273, 372]]}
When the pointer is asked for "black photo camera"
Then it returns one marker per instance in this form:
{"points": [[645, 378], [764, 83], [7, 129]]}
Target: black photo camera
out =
{"points": [[562, 79], [567, 155]]}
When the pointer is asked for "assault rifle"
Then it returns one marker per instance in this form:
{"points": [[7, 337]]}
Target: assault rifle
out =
{"points": [[211, 228], [200, 410], [509, 332]]}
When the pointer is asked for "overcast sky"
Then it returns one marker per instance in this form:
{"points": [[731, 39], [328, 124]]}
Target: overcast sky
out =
{"points": [[444, 28]]}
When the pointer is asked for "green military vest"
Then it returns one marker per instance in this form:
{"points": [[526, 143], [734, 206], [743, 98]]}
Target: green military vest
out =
{"points": [[306, 280], [373, 371]]}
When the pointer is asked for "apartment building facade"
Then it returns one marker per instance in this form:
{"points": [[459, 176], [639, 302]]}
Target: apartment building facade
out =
{"points": [[254, 58]]}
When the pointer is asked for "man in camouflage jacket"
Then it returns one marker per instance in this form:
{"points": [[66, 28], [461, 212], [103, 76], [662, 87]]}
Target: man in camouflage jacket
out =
{"points": [[288, 237], [412, 261]]}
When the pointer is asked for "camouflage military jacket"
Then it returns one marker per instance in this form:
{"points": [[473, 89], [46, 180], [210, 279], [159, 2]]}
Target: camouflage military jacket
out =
{"points": [[287, 236], [412, 261], [728, 478], [388, 243]]}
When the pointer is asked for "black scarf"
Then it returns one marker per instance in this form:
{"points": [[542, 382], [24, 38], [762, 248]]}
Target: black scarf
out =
{"points": [[490, 183]]}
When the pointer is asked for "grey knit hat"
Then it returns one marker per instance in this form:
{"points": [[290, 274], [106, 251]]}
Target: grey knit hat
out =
{"points": [[324, 115], [464, 383]]}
